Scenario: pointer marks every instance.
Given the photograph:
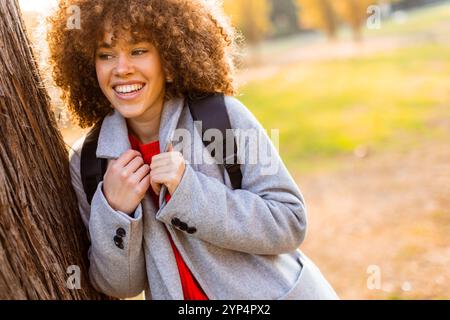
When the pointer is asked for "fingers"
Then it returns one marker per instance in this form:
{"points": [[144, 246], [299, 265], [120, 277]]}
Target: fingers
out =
{"points": [[145, 182], [157, 164], [130, 166], [163, 159], [133, 166], [126, 157], [142, 172], [155, 185], [141, 178]]}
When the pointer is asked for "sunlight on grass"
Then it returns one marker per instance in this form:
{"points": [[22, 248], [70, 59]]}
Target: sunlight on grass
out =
{"points": [[328, 108]]}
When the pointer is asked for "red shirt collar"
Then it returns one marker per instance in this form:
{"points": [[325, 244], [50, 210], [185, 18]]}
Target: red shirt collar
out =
{"points": [[147, 150]]}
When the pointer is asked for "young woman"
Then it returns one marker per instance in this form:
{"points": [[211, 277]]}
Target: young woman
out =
{"points": [[130, 67]]}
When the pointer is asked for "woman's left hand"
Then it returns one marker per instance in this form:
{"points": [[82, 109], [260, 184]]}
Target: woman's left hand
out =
{"points": [[167, 169]]}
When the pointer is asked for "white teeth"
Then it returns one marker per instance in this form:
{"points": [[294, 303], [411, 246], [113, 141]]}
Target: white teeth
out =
{"points": [[128, 88]]}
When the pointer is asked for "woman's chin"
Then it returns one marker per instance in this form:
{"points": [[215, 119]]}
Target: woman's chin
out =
{"points": [[130, 112]]}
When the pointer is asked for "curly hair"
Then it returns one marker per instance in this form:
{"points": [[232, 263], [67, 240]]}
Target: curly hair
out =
{"points": [[196, 43]]}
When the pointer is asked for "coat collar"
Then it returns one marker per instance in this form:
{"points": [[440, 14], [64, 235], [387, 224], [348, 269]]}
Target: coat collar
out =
{"points": [[113, 138]]}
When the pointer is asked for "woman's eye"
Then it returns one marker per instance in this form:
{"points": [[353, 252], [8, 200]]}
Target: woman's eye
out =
{"points": [[139, 52], [105, 56]]}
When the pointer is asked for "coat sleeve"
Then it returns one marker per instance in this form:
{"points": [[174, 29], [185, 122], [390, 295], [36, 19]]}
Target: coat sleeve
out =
{"points": [[116, 271], [266, 216]]}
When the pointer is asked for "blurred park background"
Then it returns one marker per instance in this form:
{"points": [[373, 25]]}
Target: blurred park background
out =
{"points": [[360, 91]]}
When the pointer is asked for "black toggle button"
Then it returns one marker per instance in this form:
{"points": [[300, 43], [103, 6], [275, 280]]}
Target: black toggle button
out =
{"points": [[183, 226], [121, 232], [191, 230], [119, 242], [176, 222]]}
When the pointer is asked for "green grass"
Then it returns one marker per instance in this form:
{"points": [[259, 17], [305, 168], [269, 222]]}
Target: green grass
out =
{"points": [[327, 109]]}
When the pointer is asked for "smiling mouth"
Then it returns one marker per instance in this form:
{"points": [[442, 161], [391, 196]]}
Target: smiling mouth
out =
{"points": [[128, 89]]}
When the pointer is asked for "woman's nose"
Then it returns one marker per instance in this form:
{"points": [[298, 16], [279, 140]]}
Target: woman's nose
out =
{"points": [[124, 66]]}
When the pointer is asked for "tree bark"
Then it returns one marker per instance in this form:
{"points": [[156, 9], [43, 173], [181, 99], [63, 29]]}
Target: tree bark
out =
{"points": [[330, 23], [41, 232]]}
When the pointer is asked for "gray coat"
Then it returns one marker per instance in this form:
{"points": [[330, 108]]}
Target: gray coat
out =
{"points": [[245, 244]]}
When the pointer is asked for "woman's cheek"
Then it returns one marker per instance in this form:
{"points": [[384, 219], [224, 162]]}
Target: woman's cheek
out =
{"points": [[101, 76]]}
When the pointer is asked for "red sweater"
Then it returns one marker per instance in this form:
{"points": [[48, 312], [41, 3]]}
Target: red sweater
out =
{"points": [[191, 288]]}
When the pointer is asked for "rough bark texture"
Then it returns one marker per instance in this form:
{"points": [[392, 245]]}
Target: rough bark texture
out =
{"points": [[41, 233]]}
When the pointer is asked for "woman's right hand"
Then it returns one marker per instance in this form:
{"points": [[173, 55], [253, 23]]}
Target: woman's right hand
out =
{"points": [[126, 181]]}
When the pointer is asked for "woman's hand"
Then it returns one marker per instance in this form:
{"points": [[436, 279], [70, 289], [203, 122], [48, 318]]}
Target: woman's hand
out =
{"points": [[126, 181], [167, 168]]}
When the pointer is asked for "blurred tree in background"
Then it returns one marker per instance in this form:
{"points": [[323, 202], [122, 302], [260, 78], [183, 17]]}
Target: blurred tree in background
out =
{"points": [[259, 19], [284, 18], [353, 13], [251, 17], [327, 15], [318, 14]]}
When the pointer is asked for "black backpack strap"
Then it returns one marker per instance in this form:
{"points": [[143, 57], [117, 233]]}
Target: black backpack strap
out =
{"points": [[92, 169], [211, 110]]}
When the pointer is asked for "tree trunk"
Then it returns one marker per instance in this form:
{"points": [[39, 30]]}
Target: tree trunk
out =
{"points": [[330, 23], [41, 232]]}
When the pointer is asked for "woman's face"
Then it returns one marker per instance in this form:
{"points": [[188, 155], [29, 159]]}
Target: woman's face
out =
{"points": [[131, 76]]}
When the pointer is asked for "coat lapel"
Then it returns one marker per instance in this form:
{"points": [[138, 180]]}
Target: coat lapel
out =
{"points": [[157, 241], [169, 120], [112, 143], [113, 139]]}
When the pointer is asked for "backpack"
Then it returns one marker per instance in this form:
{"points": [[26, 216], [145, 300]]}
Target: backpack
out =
{"points": [[93, 169]]}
